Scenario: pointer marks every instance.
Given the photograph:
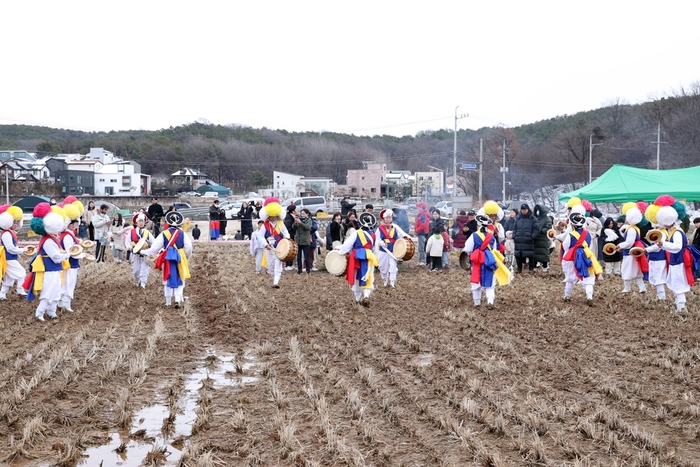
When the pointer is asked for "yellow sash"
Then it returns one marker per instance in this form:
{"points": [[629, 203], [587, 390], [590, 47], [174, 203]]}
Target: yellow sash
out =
{"points": [[502, 273], [3, 261], [183, 266], [595, 268]]}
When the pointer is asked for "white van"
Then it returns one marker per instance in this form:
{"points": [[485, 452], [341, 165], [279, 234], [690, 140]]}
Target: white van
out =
{"points": [[210, 194], [314, 204]]}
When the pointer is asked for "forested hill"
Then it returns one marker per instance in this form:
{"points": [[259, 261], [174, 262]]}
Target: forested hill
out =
{"points": [[547, 152]]}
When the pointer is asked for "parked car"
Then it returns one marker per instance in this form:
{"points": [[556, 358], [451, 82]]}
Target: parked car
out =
{"points": [[232, 207], [445, 208], [315, 204], [179, 205]]}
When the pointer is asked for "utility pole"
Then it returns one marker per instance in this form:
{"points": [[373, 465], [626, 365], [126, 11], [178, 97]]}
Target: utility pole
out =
{"points": [[481, 169], [454, 162], [504, 169], [590, 157], [658, 144]]}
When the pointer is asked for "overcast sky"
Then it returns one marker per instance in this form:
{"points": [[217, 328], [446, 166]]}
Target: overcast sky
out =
{"points": [[362, 67]]}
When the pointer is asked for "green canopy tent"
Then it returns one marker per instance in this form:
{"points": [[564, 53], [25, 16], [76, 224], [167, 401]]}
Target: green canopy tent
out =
{"points": [[622, 183]]}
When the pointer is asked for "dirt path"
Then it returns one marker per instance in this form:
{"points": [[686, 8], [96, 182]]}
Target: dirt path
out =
{"points": [[248, 375]]}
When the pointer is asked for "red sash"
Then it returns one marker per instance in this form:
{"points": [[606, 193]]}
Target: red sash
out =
{"points": [[569, 256], [160, 259], [642, 259], [478, 257], [687, 259]]}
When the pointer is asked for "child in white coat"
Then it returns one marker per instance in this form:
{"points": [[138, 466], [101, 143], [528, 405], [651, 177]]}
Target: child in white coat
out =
{"points": [[434, 249], [257, 246]]}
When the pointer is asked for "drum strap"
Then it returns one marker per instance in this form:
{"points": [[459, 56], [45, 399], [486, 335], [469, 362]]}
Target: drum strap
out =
{"points": [[274, 231], [390, 235]]}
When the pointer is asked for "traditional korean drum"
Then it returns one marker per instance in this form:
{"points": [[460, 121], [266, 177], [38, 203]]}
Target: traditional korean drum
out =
{"points": [[87, 243], [404, 248], [139, 245], [464, 260], [30, 250], [336, 264], [286, 250]]}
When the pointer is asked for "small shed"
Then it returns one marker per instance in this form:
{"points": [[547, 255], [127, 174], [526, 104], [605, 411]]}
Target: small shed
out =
{"points": [[29, 203], [220, 189]]}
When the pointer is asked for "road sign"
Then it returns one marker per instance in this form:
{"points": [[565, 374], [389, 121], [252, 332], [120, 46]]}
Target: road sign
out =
{"points": [[468, 166]]}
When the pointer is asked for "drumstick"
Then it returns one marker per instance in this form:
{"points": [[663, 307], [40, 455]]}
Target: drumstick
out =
{"points": [[390, 253]]}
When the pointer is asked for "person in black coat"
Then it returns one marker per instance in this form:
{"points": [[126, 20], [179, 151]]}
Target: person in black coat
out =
{"points": [[345, 207], [223, 223], [542, 240], [524, 233], [611, 234], [245, 214], [509, 224]]}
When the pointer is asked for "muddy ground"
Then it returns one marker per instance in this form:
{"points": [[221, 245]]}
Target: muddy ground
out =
{"points": [[249, 375]]}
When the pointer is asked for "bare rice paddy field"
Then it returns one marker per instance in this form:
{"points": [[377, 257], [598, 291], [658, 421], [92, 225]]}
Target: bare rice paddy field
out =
{"points": [[245, 374]]}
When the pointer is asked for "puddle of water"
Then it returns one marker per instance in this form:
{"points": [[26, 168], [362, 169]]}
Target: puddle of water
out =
{"points": [[222, 372]]}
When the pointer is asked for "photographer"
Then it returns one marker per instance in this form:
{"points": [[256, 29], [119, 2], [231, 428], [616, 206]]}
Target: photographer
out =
{"points": [[302, 237]]}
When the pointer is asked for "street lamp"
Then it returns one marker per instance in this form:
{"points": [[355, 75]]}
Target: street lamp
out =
{"points": [[590, 156], [454, 163]]}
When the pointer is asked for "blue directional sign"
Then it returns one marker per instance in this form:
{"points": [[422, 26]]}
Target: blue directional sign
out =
{"points": [[468, 166]]}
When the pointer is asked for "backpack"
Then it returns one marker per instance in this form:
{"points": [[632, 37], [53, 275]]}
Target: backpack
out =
{"points": [[329, 243]]}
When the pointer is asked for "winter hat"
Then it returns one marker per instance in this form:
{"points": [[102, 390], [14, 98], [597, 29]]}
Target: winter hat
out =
{"points": [[578, 209], [587, 205], [633, 215], [271, 208], [669, 210], [47, 219], [9, 215], [650, 213], [421, 205], [386, 213], [492, 208], [573, 202]]}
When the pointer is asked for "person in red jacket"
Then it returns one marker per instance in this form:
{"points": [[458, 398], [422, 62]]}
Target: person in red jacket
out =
{"points": [[422, 229]]}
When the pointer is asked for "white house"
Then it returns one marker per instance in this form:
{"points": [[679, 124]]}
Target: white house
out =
{"points": [[285, 185], [429, 183], [318, 185], [123, 178]]}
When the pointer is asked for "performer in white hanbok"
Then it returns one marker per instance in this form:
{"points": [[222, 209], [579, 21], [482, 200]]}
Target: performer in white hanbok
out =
{"points": [[257, 246], [680, 275], [139, 235], [73, 209], [486, 259], [387, 233], [174, 249], [359, 246], [578, 260], [11, 271], [634, 268], [273, 231], [48, 266]]}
